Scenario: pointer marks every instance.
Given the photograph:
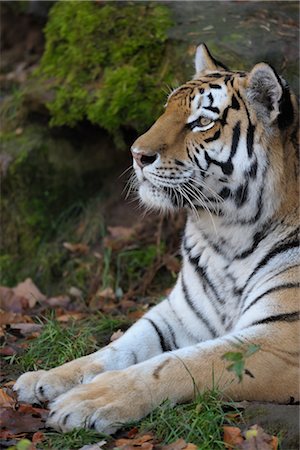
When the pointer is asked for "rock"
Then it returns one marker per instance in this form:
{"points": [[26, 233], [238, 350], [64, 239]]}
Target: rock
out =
{"points": [[275, 419]]}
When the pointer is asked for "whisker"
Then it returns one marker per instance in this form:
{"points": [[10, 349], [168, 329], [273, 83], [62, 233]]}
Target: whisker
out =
{"points": [[125, 171]]}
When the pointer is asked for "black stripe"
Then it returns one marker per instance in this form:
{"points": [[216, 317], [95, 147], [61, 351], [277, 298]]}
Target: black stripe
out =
{"points": [[183, 326], [164, 346], [223, 119], [172, 334], [241, 195], [288, 317], [252, 172], [226, 167], [192, 306], [214, 137], [227, 78], [202, 272], [178, 162], [274, 252], [211, 99], [214, 86], [212, 109], [257, 238], [250, 138], [225, 193], [215, 75], [235, 103], [270, 291], [235, 139]]}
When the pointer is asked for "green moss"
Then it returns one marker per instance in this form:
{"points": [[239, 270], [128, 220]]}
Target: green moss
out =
{"points": [[107, 63]]}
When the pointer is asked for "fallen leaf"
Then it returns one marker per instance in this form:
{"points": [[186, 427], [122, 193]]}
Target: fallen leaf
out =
{"points": [[8, 350], [8, 317], [27, 289], [9, 301], [71, 316], [116, 335], [232, 436], [124, 233], [60, 300], [191, 446], [38, 437], [180, 444], [107, 293], [27, 328], [132, 433], [257, 438], [172, 263], [76, 248], [118, 236], [22, 420], [26, 408], [138, 441], [5, 400], [97, 446]]}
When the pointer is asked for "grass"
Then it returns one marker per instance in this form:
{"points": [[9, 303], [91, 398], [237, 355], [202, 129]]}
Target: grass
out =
{"points": [[199, 422], [72, 440], [58, 343]]}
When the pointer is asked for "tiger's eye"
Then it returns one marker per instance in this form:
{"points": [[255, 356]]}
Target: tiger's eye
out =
{"points": [[203, 121]]}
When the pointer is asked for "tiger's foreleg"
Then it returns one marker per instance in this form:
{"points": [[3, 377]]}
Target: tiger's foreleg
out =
{"points": [[116, 397], [150, 336]]}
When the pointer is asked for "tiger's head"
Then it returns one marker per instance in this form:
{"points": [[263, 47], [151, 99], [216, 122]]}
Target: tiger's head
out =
{"points": [[220, 144]]}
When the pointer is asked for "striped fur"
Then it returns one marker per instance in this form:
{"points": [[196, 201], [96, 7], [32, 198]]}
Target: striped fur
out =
{"points": [[225, 150]]}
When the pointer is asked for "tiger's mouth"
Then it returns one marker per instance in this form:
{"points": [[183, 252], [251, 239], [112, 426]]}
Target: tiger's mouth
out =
{"points": [[155, 196]]}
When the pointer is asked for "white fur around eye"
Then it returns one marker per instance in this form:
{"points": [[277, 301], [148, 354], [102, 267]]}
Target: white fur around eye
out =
{"points": [[207, 127]]}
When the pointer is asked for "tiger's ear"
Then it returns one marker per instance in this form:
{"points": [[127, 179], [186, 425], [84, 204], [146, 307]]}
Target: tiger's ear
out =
{"points": [[264, 92], [205, 61]]}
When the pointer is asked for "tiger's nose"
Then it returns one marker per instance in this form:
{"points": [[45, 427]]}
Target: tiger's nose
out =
{"points": [[143, 159]]}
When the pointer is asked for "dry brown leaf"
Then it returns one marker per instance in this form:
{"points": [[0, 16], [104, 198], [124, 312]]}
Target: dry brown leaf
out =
{"points": [[60, 300], [97, 446], [124, 233], [172, 263], [107, 293], [9, 301], [137, 441], [257, 438], [116, 335], [8, 350], [82, 249], [191, 446], [8, 317], [232, 436], [5, 400], [27, 289], [27, 328], [24, 419], [133, 432], [38, 437], [71, 316], [180, 444]]}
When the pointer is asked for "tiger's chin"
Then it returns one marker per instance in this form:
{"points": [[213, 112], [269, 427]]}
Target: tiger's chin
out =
{"points": [[155, 198]]}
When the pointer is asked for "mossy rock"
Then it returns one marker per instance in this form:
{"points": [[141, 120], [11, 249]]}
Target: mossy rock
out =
{"points": [[107, 63]]}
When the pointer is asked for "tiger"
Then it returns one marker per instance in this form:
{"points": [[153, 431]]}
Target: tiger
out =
{"points": [[224, 149]]}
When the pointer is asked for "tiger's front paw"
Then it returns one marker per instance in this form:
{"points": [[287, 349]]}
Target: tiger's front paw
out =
{"points": [[112, 399], [25, 386], [42, 385]]}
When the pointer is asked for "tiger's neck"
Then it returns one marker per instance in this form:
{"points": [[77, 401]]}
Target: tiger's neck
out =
{"points": [[262, 204]]}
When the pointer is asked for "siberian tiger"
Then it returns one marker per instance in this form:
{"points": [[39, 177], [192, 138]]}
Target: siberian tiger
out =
{"points": [[225, 149]]}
